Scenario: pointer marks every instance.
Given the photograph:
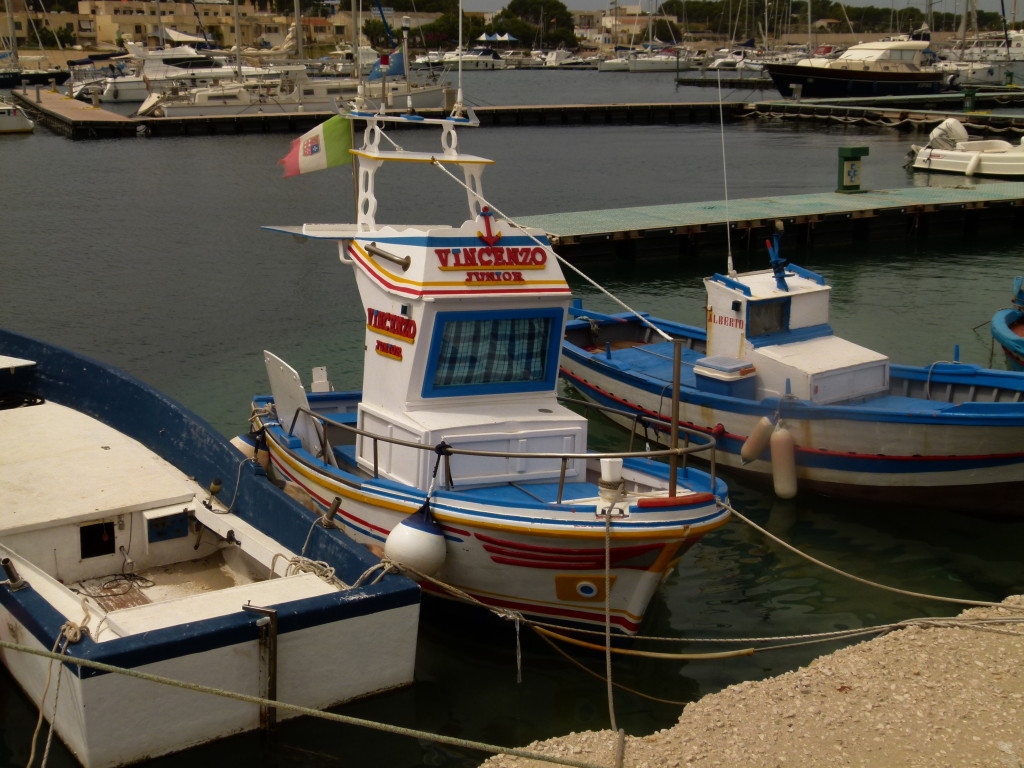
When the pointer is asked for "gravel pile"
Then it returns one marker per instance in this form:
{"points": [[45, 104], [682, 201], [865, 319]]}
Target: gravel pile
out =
{"points": [[928, 696]]}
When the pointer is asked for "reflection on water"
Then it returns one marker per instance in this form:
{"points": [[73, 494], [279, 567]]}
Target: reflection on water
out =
{"points": [[148, 254]]}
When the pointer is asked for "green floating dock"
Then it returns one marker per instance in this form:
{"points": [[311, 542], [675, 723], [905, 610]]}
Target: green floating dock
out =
{"points": [[682, 227]]}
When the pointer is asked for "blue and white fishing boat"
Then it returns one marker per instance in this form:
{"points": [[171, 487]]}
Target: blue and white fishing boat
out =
{"points": [[459, 427], [133, 535], [789, 400], [1008, 328]]}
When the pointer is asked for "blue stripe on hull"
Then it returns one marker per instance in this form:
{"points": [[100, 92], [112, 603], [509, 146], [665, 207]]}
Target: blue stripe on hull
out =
{"points": [[853, 463]]}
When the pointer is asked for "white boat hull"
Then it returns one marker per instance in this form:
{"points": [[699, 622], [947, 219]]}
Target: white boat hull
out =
{"points": [[109, 720], [985, 158], [14, 120], [495, 552], [921, 463]]}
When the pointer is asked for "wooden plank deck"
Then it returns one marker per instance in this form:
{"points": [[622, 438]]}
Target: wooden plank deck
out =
{"points": [[70, 117], [679, 226]]}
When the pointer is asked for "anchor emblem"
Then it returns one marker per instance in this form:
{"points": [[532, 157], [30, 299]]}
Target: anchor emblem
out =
{"points": [[489, 238]]}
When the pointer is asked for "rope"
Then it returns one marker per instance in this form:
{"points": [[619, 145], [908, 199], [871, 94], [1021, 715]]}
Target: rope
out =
{"points": [[299, 564], [608, 615], [299, 710], [868, 582], [69, 633]]}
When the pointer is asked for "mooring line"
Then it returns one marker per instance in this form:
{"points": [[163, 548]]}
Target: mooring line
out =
{"points": [[860, 579]]}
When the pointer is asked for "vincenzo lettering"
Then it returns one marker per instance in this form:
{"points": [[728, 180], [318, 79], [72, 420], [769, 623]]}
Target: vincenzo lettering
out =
{"points": [[490, 257], [395, 326]]}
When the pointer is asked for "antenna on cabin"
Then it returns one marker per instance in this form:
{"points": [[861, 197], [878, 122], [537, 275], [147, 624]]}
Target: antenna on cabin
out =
{"points": [[457, 110], [778, 263], [730, 270]]}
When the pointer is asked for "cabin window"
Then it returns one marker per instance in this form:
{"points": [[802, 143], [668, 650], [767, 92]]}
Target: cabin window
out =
{"points": [[483, 353], [97, 539], [764, 317]]}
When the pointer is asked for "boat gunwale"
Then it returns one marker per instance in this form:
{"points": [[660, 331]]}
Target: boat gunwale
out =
{"points": [[972, 413]]}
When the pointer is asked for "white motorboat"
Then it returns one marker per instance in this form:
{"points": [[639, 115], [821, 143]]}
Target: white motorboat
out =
{"points": [[13, 118], [304, 94], [133, 535], [474, 59], [347, 61], [180, 68], [666, 60], [951, 150]]}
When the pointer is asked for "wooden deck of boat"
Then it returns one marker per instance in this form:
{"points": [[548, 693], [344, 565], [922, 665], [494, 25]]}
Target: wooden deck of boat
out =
{"points": [[679, 228]]}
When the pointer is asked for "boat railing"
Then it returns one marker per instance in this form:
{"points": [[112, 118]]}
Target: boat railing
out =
{"points": [[445, 451]]}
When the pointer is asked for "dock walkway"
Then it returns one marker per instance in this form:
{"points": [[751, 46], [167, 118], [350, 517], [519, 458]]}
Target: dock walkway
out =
{"points": [[682, 228]]}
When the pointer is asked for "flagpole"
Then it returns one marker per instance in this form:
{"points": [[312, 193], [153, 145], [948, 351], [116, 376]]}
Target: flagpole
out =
{"points": [[458, 111]]}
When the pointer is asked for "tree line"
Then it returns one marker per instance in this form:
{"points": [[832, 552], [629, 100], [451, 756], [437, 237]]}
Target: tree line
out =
{"points": [[550, 24]]}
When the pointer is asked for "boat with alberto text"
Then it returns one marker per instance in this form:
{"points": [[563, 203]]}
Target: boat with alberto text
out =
{"points": [[789, 402], [457, 459]]}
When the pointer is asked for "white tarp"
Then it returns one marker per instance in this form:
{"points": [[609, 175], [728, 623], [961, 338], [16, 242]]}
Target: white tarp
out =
{"points": [[181, 37]]}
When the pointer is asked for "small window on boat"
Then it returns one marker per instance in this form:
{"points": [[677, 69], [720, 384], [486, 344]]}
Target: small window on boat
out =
{"points": [[482, 353], [764, 317], [97, 539]]}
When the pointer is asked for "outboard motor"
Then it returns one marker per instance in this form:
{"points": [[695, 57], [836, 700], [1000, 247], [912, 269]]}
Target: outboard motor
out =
{"points": [[947, 134]]}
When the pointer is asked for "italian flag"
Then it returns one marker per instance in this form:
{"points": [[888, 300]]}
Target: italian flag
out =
{"points": [[325, 146]]}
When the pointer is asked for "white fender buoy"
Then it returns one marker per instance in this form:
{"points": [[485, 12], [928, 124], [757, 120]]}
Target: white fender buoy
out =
{"points": [[783, 452], [250, 446], [417, 542], [758, 440], [972, 164], [245, 444]]}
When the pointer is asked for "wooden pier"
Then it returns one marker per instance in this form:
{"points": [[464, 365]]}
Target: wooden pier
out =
{"points": [[688, 229], [80, 120]]}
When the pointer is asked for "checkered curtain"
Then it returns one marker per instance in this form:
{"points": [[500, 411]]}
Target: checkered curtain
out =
{"points": [[493, 351]]}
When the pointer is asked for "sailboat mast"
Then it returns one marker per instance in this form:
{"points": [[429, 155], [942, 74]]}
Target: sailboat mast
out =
{"points": [[300, 51], [238, 45], [458, 93], [11, 32]]}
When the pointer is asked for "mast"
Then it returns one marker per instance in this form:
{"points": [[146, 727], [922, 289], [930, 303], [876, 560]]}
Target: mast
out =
{"points": [[12, 34], [300, 52], [238, 45], [458, 109]]}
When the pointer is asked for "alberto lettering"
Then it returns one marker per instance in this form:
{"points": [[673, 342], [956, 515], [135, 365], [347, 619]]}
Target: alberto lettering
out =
{"points": [[728, 322]]}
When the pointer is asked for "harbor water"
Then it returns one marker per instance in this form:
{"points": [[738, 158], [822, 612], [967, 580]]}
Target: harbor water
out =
{"points": [[148, 254]]}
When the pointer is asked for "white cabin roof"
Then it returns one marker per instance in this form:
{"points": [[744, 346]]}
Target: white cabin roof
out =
{"points": [[71, 467]]}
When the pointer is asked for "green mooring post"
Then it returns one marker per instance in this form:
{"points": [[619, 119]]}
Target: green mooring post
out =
{"points": [[849, 168], [969, 99]]}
